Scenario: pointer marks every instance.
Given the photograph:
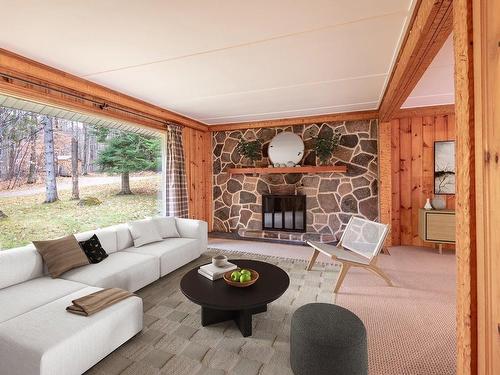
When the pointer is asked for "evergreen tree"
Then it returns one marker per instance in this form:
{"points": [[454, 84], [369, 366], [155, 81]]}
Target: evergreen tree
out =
{"points": [[128, 152]]}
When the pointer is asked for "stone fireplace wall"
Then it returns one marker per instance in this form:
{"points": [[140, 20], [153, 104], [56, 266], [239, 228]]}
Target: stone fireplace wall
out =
{"points": [[332, 198]]}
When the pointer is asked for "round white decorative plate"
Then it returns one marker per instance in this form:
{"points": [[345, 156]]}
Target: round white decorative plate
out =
{"points": [[286, 147]]}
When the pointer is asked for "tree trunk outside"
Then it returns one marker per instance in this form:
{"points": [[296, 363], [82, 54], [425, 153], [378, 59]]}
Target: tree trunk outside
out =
{"points": [[85, 163], [12, 161], [50, 168], [125, 184], [2, 111], [75, 194], [19, 168], [32, 169]]}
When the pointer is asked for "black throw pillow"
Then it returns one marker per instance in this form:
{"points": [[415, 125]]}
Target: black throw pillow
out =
{"points": [[93, 249]]}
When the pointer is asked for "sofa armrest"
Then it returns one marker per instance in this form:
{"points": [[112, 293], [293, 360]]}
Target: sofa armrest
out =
{"points": [[191, 228]]}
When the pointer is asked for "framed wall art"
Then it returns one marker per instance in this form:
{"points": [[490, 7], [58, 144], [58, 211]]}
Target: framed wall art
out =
{"points": [[444, 167]]}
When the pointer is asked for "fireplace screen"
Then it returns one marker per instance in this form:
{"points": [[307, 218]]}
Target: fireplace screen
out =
{"points": [[284, 212]]}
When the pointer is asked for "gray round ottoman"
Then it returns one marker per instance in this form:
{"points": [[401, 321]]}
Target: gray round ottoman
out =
{"points": [[327, 339]]}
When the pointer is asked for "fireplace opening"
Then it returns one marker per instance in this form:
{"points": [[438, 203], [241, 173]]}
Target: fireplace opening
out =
{"points": [[284, 213]]}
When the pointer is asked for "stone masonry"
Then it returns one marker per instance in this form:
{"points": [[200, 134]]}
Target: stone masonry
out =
{"points": [[332, 198]]}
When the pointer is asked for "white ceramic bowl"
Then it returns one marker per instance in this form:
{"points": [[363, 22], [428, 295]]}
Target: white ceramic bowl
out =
{"points": [[219, 260]]}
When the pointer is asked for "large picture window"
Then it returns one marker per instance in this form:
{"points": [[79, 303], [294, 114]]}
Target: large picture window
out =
{"points": [[59, 176]]}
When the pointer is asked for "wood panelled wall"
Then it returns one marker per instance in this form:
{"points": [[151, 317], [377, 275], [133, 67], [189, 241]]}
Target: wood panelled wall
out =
{"points": [[412, 171], [198, 159]]}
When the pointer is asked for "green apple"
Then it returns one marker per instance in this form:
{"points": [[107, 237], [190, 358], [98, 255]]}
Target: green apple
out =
{"points": [[246, 272], [245, 277], [235, 276]]}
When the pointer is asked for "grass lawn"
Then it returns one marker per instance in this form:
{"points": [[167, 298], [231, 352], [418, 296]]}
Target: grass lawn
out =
{"points": [[29, 219]]}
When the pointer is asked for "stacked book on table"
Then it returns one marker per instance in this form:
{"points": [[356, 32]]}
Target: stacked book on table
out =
{"points": [[213, 272]]}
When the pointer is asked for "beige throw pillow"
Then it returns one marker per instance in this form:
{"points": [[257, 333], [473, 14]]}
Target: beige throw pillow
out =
{"points": [[144, 232], [61, 255], [166, 226]]}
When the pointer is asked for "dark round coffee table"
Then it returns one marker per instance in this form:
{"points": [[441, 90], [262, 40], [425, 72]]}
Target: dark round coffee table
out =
{"points": [[220, 302]]}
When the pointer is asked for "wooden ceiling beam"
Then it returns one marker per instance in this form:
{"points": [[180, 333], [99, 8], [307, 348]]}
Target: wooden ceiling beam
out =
{"points": [[58, 100], [431, 26], [346, 116], [435, 110], [32, 80]]}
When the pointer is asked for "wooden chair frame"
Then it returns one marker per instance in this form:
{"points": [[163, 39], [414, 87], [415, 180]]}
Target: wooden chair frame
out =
{"points": [[348, 258]]}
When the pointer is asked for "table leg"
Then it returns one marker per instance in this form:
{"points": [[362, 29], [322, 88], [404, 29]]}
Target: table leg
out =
{"points": [[213, 316], [244, 322], [242, 318]]}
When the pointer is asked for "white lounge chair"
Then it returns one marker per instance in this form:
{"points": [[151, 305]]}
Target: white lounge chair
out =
{"points": [[359, 246]]}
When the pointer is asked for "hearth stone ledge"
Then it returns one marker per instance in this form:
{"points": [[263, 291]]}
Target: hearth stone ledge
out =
{"points": [[287, 236]]}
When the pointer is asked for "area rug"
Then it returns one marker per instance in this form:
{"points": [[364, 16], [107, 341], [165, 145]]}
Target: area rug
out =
{"points": [[174, 342]]}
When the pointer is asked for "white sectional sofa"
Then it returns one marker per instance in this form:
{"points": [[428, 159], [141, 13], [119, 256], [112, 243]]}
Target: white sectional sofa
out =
{"points": [[37, 334]]}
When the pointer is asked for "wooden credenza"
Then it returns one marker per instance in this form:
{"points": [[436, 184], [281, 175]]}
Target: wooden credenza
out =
{"points": [[437, 226]]}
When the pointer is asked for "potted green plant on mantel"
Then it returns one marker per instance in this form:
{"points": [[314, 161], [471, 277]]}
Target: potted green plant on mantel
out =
{"points": [[324, 146], [251, 150]]}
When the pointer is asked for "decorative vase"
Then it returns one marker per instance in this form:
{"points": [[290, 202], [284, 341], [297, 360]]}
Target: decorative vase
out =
{"points": [[438, 203], [428, 205]]}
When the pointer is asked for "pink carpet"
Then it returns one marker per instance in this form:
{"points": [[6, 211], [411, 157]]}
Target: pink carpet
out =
{"points": [[411, 327]]}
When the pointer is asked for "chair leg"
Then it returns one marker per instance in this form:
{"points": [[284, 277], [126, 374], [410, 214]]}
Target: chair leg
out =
{"points": [[312, 260], [380, 273], [343, 271], [385, 250]]}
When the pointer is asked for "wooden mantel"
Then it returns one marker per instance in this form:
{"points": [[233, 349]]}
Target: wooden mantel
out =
{"points": [[302, 169]]}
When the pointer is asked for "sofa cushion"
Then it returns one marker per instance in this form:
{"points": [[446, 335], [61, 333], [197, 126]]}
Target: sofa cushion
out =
{"points": [[189, 228], [144, 232], [61, 254], [172, 252], [51, 341], [166, 226], [19, 264], [93, 249], [107, 237], [124, 270], [123, 237], [21, 298]]}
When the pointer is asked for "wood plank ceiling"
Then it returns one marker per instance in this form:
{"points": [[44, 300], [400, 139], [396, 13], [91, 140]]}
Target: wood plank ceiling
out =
{"points": [[223, 62]]}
